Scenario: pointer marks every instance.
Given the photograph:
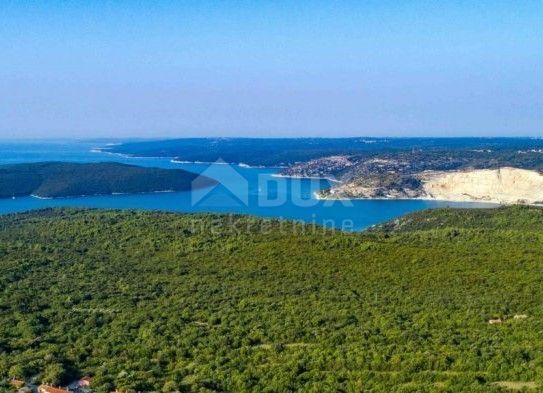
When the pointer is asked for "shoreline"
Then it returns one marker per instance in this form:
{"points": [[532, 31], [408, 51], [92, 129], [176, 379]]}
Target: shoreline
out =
{"points": [[306, 177], [175, 160], [488, 202], [240, 165], [316, 195], [97, 195], [502, 186], [103, 150]]}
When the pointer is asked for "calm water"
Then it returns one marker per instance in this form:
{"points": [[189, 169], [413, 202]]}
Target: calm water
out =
{"points": [[252, 191]]}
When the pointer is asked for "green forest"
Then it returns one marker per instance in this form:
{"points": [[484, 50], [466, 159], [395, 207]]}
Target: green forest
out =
{"points": [[65, 179], [438, 301]]}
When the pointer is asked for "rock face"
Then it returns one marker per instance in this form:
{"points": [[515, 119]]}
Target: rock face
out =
{"points": [[504, 185]]}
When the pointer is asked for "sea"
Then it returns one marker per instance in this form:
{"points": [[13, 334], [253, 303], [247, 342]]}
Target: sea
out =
{"points": [[242, 190]]}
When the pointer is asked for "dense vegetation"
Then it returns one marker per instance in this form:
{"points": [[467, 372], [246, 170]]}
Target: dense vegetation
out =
{"points": [[166, 302], [287, 151], [62, 179]]}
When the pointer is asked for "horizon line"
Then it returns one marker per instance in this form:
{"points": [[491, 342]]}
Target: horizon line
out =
{"points": [[165, 138]]}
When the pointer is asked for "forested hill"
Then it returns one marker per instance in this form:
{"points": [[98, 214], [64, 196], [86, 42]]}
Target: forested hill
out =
{"points": [[288, 151], [514, 218], [63, 179], [147, 301]]}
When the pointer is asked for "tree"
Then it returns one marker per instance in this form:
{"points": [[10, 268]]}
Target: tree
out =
{"points": [[54, 374]]}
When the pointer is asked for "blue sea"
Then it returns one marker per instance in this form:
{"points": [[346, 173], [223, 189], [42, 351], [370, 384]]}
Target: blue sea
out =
{"points": [[243, 190]]}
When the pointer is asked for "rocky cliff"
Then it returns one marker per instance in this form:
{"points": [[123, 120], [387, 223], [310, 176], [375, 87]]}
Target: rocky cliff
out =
{"points": [[502, 185]]}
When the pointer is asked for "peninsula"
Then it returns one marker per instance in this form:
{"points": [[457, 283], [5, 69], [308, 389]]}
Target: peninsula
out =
{"points": [[496, 170]]}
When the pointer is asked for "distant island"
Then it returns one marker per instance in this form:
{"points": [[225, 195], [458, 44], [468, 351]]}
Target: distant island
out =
{"points": [[63, 179]]}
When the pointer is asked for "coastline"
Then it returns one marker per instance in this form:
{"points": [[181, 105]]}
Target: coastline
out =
{"points": [[175, 160], [103, 150], [503, 186], [240, 164], [489, 202], [39, 197], [98, 195], [306, 177]]}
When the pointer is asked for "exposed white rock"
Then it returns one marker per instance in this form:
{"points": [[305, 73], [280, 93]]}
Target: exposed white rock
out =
{"points": [[504, 185]]}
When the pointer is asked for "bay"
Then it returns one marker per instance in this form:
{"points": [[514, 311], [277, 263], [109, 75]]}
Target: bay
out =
{"points": [[243, 190]]}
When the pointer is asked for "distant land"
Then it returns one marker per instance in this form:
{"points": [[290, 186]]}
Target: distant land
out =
{"points": [[438, 301], [499, 170], [289, 151], [63, 179]]}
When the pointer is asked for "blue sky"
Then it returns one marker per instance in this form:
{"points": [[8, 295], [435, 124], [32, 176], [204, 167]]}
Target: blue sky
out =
{"points": [[271, 68]]}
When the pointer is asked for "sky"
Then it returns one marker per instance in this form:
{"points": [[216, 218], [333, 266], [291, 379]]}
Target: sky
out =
{"points": [[270, 68]]}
